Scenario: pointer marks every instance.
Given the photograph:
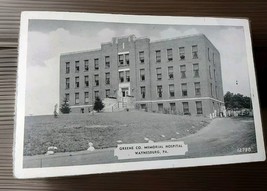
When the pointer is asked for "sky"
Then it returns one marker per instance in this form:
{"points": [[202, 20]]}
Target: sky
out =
{"points": [[47, 39]]}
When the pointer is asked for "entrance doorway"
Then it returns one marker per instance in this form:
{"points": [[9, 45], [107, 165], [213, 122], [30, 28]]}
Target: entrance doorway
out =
{"points": [[124, 92]]}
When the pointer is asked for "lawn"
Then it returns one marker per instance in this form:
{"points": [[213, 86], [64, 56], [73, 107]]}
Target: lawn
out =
{"points": [[73, 132]]}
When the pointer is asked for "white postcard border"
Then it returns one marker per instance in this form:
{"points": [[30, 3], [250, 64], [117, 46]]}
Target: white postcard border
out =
{"points": [[21, 172]]}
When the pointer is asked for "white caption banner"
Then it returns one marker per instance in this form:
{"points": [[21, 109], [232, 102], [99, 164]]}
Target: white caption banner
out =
{"points": [[146, 150]]}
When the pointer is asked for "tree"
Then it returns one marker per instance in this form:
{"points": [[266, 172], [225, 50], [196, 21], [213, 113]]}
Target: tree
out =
{"points": [[65, 107], [236, 101], [228, 100], [98, 105]]}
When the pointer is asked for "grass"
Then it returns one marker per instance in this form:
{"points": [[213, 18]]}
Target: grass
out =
{"points": [[73, 132]]}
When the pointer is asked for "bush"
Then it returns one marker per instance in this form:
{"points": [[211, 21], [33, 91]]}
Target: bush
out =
{"points": [[98, 105], [65, 107]]}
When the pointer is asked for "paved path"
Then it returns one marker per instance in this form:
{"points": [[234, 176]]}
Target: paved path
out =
{"points": [[223, 136]]}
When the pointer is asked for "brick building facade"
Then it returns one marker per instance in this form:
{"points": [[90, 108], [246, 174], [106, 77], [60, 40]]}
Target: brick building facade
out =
{"points": [[181, 75]]}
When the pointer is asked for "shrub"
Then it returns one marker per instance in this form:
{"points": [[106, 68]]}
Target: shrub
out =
{"points": [[98, 105], [65, 107]]}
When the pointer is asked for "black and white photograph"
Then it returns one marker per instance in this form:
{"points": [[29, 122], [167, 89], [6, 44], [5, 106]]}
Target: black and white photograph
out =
{"points": [[108, 93]]}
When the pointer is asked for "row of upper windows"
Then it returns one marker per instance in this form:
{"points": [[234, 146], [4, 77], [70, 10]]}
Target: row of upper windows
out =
{"points": [[181, 52], [171, 72], [124, 76], [86, 81], [123, 59]]}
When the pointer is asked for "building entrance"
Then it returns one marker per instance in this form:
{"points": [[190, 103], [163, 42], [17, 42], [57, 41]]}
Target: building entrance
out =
{"points": [[125, 92]]}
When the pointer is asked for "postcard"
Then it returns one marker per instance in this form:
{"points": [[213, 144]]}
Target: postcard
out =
{"points": [[103, 93]]}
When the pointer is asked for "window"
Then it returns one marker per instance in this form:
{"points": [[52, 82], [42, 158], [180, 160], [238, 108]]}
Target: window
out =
{"points": [[77, 98], [67, 67], [173, 108], [121, 59], [170, 72], [77, 67], [183, 70], [160, 107], [194, 52], [86, 65], [211, 92], [159, 75], [107, 93], [96, 61], [67, 83], [186, 108], [213, 58], [199, 107], [67, 97], [141, 57], [182, 53], [97, 80], [184, 89], [77, 83], [107, 62], [127, 60], [171, 90], [169, 54], [143, 106], [216, 93], [107, 78], [210, 72], [209, 54], [142, 74], [127, 73], [143, 92], [96, 94], [121, 76], [197, 89], [214, 71], [86, 81], [196, 70], [159, 90], [158, 56], [86, 97], [82, 110]]}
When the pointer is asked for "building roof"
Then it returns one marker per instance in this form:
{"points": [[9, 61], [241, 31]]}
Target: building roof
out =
{"points": [[139, 38]]}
